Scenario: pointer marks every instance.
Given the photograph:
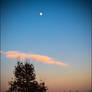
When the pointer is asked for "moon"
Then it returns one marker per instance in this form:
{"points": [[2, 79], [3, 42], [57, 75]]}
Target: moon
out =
{"points": [[41, 13]]}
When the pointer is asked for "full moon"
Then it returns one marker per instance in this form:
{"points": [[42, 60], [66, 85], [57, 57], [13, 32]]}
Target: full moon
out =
{"points": [[41, 13]]}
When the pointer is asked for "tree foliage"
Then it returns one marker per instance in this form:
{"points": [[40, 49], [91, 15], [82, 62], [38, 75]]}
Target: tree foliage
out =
{"points": [[25, 79]]}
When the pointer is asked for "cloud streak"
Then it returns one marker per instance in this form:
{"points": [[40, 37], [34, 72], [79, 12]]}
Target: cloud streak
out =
{"points": [[35, 57]]}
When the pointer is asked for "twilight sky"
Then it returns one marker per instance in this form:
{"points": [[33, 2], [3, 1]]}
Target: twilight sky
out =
{"points": [[62, 34]]}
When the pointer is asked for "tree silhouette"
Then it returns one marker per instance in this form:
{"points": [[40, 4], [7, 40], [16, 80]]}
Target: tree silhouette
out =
{"points": [[25, 79]]}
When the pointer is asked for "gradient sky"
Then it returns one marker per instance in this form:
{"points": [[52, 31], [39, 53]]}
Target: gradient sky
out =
{"points": [[63, 33]]}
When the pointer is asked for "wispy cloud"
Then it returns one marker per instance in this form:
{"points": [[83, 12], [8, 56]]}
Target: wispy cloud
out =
{"points": [[35, 57]]}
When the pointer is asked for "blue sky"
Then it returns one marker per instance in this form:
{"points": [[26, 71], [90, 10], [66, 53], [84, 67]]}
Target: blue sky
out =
{"points": [[63, 32]]}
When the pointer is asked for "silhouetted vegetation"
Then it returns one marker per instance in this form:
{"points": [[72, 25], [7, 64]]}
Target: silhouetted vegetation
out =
{"points": [[25, 79]]}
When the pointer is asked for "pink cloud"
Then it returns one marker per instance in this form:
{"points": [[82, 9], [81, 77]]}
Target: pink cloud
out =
{"points": [[35, 57]]}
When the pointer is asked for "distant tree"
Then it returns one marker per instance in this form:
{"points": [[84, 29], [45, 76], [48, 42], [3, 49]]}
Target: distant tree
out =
{"points": [[70, 91], [25, 79], [77, 91], [64, 91]]}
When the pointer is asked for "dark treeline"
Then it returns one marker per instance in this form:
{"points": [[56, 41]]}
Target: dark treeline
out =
{"points": [[25, 79]]}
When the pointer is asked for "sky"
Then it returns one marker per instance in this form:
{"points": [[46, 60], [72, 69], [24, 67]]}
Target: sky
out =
{"points": [[58, 42]]}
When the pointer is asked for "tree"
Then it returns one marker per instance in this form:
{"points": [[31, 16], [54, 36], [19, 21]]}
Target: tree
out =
{"points": [[25, 79]]}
